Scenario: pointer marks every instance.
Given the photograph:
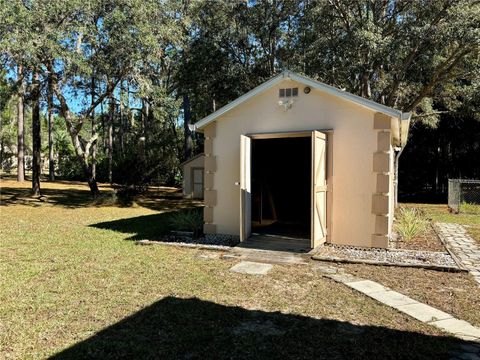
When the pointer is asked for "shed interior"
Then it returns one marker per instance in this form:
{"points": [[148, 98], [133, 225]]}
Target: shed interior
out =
{"points": [[281, 186]]}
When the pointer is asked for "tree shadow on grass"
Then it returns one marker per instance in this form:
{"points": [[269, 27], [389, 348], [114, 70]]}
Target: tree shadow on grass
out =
{"points": [[68, 198], [176, 328], [147, 227], [75, 197]]}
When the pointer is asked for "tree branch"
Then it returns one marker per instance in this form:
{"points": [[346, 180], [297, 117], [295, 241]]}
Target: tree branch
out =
{"points": [[412, 55], [429, 114], [90, 142], [442, 70]]}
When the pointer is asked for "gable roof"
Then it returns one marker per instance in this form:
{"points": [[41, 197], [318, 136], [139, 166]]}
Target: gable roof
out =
{"points": [[191, 159], [404, 118]]}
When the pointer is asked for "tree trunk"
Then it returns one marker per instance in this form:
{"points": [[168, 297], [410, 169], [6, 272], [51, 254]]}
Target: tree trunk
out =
{"points": [[150, 121], [94, 132], [51, 161], [92, 184], [36, 140], [102, 119], [187, 140], [436, 181], [82, 156], [144, 117], [121, 122], [82, 148], [2, 147], [273, 55], [20, 127], [131, 117], [365, 86], [110, 138]]}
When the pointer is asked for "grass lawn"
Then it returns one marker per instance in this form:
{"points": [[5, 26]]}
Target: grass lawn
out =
{"points": [[74, 285], [440, 213]]}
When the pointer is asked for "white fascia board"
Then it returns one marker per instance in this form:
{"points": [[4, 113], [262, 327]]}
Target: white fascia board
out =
{"points": [[369, 104], [265, 86]]}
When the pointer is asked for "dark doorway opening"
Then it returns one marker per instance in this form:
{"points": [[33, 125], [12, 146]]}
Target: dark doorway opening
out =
{"points": [[281, 186]]}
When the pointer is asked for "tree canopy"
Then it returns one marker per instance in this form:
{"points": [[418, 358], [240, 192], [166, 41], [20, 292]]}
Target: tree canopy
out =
{"points": [[128, 76]]}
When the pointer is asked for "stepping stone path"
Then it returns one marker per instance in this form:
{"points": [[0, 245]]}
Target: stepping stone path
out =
{"points": [[465, 249], [420, 311], [268, 256], [251, 268]]}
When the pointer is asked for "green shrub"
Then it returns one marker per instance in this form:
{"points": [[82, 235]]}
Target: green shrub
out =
{"points": [[410, 222], [468, 208], [69, 168], [190, 220]]}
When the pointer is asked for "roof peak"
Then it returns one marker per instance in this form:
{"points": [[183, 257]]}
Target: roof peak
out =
{"points": [[315, 84]]}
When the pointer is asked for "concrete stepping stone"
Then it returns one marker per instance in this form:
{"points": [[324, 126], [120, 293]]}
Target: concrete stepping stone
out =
{"points": [[367, 286], [343, 278], [420, 311], [423, 312], [325, 269], [392, 298], [251, 268], [458, 327]]}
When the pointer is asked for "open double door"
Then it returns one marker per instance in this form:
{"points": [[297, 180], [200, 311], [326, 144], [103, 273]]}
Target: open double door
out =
{"points": [[318, 184]]}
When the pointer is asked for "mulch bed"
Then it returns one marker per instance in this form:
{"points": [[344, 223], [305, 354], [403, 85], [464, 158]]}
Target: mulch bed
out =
{"points": [[427, 241]]}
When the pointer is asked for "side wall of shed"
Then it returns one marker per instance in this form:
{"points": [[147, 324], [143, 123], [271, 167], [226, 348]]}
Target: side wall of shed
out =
{"points": [[197, 162]]}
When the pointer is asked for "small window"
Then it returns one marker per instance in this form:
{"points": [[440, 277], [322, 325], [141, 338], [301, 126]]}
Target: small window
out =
{"points": [[288, 92], [295, 92], [281, 93]]}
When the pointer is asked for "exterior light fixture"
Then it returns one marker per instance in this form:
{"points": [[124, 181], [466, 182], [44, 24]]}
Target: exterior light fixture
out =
{"points": [[286, 104]]}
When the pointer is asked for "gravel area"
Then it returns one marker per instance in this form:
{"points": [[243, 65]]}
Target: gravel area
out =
{"points": [[393, 256], [184, 237]]}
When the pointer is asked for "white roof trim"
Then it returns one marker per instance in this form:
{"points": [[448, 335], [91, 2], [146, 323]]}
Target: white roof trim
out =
{"points": [[285, 75], [369, 104], [261, 88]]}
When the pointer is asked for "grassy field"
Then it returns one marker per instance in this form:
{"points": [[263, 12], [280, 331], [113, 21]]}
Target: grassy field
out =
{"points": [[74, 285]]}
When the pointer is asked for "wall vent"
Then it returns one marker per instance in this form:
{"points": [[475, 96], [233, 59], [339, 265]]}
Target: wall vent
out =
{"points": [[288, 92]]}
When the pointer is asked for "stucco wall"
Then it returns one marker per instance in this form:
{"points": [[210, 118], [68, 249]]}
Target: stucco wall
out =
{"points": [[197, 162], [354, 143]]}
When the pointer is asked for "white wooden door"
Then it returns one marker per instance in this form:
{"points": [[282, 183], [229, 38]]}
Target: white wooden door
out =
{"points": [[197, 183], [245, 187], [319, 189]]}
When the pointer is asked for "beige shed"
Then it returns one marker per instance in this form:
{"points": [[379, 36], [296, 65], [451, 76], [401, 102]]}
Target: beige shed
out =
{"points": [[193, 176], [298, 159]]}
